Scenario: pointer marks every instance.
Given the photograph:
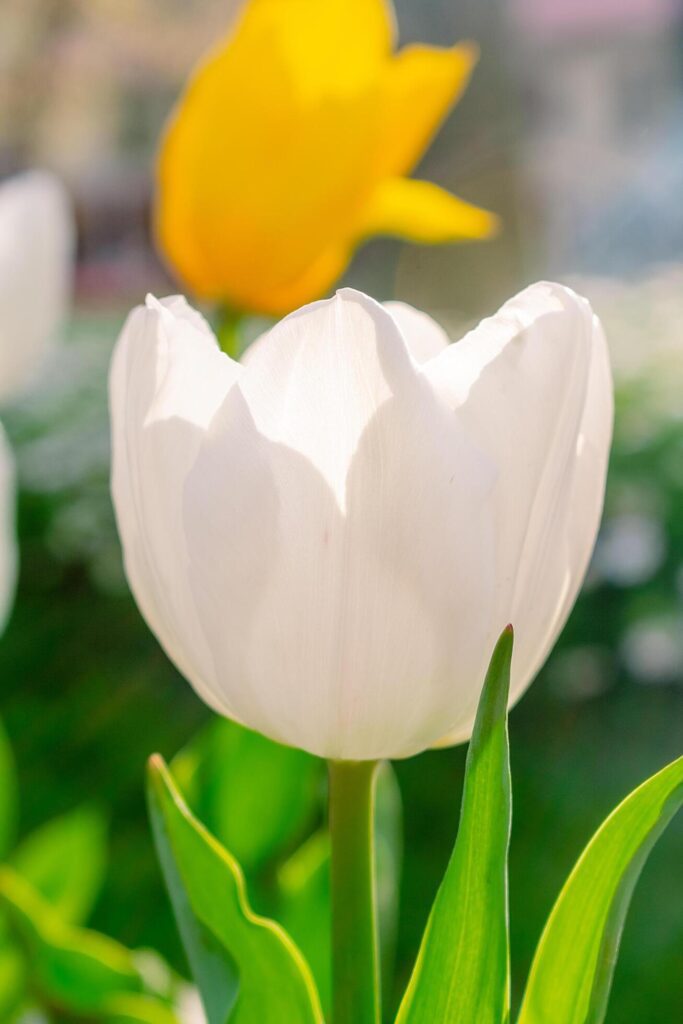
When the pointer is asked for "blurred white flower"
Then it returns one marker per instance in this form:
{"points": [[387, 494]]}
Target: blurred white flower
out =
{"points": [[328, 540], [653, 651], [631, 549], [643, 319], [190, 1008], [36, 255]]}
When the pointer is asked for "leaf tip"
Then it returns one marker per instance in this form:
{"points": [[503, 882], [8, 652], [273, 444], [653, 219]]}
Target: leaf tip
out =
{"points": [[157, 772]]}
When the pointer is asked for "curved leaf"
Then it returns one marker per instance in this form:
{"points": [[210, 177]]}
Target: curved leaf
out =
{"points": [[571, 974], [65, 861], [247, 968], [462, 971], [72, 968]]}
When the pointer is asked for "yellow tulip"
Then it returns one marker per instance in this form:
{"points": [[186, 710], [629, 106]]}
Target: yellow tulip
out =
{"points": [[291, 144]]}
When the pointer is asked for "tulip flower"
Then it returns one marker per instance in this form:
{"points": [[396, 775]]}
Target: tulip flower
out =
{"points": [[36, 254], [328, 539], [291, 144], [36, 242]]}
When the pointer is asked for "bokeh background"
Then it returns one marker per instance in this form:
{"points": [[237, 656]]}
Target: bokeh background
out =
{"points": [[572, 130]]}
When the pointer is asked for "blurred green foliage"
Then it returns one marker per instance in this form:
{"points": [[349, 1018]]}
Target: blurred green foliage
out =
{"points": [[48, 961], [88, 694]]}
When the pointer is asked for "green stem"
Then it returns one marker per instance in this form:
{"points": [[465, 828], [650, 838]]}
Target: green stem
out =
{"points": [[355, 962], [228, 333]]}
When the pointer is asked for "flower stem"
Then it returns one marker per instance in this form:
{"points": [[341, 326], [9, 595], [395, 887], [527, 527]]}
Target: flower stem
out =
{"points": [[355, 962], [228, 331]]}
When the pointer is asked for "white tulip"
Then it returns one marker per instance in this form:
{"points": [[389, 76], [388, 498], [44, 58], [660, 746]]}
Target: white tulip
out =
{"points": [[329, 539], [36, 251]]}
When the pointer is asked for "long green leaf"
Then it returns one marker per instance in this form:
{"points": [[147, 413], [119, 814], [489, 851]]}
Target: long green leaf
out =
{"points": [[572, 971], [65, 861], [462, 971], [247, 968]]}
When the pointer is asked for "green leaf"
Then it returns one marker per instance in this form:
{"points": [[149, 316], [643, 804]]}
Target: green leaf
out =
{"points": [[12, 980], [253, 821], [137, 1009], [572, 971], [8, 794], [247, 968], [462, 971], [72, 968], [65, 861], [388, 857], [304, 908]]}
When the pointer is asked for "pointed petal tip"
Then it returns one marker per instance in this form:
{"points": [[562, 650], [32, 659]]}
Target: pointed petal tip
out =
{"points": [[492, 224], [470, 49], [353, 294]]}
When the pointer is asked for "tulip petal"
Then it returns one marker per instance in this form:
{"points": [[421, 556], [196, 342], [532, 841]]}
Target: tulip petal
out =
{"points": [[339, 572], [167, 379], [423, 212], [423, 336], [327, 40], [327, 539], [532, 385], [421, 85], [333, 362], [36, 250]]}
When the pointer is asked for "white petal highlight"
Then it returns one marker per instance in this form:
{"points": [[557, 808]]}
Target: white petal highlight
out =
{"points": [[316, 379], [167, 380]]}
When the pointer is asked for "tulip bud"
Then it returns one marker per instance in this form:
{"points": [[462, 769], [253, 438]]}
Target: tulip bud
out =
{"points": [[328, 540], [314, 89], [36, 253]]}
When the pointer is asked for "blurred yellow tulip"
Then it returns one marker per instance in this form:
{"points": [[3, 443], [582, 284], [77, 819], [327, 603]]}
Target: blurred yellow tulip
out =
{"points": [[291, 144]]}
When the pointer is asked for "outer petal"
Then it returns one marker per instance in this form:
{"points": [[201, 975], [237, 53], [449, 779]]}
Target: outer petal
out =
{"points": [[348, 599], [168, 377], [421, 85], [8, 544], [533, 386], [423, 212], [423, 336], [36, 251]]}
